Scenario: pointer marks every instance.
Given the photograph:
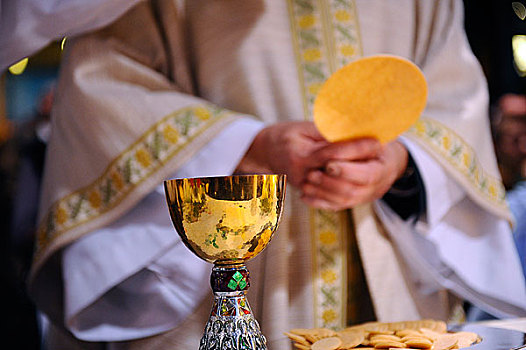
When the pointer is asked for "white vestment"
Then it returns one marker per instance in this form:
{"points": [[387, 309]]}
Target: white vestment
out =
{"points": [[134, 110]]}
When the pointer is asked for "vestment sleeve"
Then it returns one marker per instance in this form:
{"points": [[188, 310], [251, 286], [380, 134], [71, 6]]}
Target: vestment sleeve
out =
{"points": [[139, 259], [125, 118], [27, 26]]}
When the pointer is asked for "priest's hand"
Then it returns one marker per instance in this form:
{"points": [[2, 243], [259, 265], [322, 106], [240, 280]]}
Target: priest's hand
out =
{"points": [[284, 148], [356, 172]]}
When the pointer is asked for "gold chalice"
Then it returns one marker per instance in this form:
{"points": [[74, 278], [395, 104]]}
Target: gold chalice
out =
{"points": [[226, 221]]}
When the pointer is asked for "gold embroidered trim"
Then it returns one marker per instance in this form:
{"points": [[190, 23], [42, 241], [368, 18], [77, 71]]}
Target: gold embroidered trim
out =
{"points": [[346, 42], [325, 37], [149, 153], [311, 48], [461, 156], [329, 237]]}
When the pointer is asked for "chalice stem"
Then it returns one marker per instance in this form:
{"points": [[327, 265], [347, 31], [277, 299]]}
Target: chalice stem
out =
{"points": [[231, 324]]}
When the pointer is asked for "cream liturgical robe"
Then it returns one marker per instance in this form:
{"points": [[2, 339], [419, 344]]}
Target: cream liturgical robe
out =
{"points": [[140, 100]]}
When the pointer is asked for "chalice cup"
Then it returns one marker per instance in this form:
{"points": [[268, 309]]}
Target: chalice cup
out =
{"points": [[226, 221]]}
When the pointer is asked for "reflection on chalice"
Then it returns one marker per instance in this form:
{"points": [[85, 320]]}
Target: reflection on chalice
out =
{"points": [[227, 221]]}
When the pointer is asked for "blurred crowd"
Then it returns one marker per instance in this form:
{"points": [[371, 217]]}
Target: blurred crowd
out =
{"points": [[509, 130], [22, 155]]}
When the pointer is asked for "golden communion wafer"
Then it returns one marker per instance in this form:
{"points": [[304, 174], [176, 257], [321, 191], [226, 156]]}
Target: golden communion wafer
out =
{"points": [[407, 332], [297, 338], [301, 331], [380, 332], [387, 344], [445, 342], [350, 339], [465, 339], [419, 343], [313, 334], [385, 336], [377, 96], [412, 337], [331, 343]]}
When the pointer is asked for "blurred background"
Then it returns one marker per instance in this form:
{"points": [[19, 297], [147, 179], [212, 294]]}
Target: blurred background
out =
{"points": [[496, 30]]}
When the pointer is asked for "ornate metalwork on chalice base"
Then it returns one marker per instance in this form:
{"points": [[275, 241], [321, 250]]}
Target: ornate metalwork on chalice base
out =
{"points": [[227, 221]]}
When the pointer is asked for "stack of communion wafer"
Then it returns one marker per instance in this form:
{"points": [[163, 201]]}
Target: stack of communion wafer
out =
{"points": [[423, 334]]}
